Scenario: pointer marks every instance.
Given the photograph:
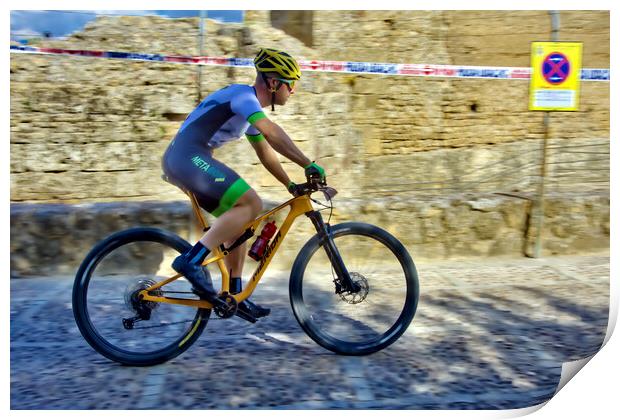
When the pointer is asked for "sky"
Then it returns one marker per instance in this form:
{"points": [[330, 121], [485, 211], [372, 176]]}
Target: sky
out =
{"points": [[36, 23]]}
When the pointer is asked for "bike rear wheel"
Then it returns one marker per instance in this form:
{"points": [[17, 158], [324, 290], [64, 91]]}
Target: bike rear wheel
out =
{"points": [[106, 306], [363, 322]]}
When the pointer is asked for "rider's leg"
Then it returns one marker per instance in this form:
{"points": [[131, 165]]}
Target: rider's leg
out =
{"points": [[219, 190], [234, 263], [235, 260], [228, 226]]}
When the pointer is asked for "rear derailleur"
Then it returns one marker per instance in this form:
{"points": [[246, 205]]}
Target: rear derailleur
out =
{"points": [[134, 302]]}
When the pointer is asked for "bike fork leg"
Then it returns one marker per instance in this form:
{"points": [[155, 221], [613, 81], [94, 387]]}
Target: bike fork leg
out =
{"points": [[327, 240]]}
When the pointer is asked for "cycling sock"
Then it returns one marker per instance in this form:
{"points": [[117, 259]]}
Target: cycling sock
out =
{"points": [[197, 254], [235, 285]]}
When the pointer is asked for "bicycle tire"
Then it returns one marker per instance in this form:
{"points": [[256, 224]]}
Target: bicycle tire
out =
{"points": [[80, 305], [307, 321]]}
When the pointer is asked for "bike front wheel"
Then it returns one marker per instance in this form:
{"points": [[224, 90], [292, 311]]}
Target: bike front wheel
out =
{"points": [[372, 318], [106, 304]]}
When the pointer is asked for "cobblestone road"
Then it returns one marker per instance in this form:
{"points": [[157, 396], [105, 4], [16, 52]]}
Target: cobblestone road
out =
{"points": [[487, 334]]}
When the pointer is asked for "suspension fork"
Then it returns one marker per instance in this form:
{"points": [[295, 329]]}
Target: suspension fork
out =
{"points": [[327, 241]]}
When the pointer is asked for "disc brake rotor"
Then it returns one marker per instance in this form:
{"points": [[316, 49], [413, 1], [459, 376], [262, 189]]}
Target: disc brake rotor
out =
{"points": [[360, 296]]}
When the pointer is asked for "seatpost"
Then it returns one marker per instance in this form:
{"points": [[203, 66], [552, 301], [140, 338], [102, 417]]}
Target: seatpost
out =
{"points": [[196, 207]]}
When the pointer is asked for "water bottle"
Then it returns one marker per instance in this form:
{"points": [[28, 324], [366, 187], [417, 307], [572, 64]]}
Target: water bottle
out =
{"points": [[260, 244]]}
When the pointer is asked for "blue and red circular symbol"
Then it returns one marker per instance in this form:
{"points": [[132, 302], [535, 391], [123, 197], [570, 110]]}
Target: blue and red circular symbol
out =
{"points": [[556, 68]]}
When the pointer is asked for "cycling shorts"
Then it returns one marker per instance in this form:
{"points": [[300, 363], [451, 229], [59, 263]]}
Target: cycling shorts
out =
{"points": [[193, 169]]}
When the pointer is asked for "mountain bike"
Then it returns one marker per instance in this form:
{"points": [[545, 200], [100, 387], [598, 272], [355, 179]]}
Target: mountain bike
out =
{"points": [[353, 286]]}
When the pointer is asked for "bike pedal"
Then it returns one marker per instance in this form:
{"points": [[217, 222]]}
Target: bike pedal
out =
{"points": [[244, 315]]}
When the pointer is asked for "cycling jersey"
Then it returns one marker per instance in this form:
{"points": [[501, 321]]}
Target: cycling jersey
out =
{"points": [[223, 116], [188, 162]]}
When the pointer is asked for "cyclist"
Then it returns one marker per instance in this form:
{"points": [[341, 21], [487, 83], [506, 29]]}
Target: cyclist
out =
{"points": [[188, 163]]}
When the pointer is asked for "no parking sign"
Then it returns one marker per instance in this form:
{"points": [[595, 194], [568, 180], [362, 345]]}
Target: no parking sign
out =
{"points": [[556, 70]]}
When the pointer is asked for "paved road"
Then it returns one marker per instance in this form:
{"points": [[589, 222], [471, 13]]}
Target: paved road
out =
{"points": [[487, 334]]}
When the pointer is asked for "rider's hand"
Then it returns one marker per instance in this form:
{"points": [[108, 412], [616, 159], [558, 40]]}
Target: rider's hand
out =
{"points": [[293, 189], [314, 170]]}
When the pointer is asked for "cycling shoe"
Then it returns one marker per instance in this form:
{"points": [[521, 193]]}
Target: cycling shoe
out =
{"points": [[253, 309], [197, 275]]}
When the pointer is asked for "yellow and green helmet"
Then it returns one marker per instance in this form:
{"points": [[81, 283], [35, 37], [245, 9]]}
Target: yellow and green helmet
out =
{"points": [[273, 61]]}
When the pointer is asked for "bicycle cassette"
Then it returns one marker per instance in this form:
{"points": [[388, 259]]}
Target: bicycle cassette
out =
{"points": [[132, 292]]}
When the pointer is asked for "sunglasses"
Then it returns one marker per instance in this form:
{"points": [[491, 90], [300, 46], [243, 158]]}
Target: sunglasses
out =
{"points": [[290, 84]]}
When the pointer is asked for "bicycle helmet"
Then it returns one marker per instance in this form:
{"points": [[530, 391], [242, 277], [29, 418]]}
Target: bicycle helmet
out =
{"points": [[273, 61]]}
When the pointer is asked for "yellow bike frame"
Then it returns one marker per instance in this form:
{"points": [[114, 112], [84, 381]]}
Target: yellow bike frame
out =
{"points": [[298, 206]]}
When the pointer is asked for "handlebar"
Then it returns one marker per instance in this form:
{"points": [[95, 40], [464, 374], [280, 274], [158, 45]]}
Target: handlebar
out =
{"points": [[314, 184]]}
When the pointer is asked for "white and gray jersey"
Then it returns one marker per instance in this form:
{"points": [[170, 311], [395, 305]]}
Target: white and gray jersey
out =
{"points": [[223, 116]]}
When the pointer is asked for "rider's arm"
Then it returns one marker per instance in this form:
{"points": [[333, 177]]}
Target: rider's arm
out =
{"points": [[270, 160], [281, 142]]}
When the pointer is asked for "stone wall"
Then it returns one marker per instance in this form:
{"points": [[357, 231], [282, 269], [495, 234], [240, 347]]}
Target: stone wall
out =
{"points": [[53, 239], [297, 23], [87, 130], [94, 129]]}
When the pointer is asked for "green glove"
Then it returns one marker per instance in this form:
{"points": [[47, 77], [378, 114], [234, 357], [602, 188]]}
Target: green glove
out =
{"points": [[313, 170], [292, 188]]}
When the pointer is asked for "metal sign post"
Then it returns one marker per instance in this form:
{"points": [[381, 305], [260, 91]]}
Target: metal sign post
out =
{"points": [[554, 86], [201, 47]]}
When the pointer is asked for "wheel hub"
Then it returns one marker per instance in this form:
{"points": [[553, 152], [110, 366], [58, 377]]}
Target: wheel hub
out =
{"points": [[132, 296], [361, 285]]}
